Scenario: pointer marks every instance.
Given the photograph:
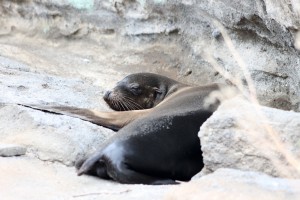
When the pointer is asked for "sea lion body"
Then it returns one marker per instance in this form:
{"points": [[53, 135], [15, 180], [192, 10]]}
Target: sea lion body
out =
{"points": [[158, 120], [162, 145]]}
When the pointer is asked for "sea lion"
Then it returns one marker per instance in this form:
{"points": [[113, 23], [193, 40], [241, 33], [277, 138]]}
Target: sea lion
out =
{"points": [[158, 120], [159, 146], [141, 91]]}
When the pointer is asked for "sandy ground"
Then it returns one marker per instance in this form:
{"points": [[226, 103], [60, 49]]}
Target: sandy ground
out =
{"points": [[28, 178]]}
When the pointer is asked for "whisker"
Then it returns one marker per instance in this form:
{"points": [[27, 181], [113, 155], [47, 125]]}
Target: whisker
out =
{"points": [[133, 102], [131, 106], [125, 103], [127, 106], [130, 103], [116, 105], [120, 104]]}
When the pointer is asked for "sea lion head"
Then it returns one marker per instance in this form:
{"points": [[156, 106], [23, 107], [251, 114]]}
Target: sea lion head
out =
{"points": [[136, 91]]}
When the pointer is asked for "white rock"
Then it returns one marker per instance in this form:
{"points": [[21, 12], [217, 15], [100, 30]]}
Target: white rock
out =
{"points": [[244, 136], [50, 137]]}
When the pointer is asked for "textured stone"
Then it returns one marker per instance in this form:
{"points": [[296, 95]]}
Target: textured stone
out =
{"points": [[8, 150], [22, 85], [67, 52], [261, 37], [233, 184], [50, 137], [246, 136]]}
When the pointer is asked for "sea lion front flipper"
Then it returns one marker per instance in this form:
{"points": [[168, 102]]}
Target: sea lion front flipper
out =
{"points": [[112, 120]]}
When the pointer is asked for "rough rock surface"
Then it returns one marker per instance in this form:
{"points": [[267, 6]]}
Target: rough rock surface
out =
{"points": [[8, 150], [50, 137], [230, 184], [246, 136], [260, 43], [67, 52]]}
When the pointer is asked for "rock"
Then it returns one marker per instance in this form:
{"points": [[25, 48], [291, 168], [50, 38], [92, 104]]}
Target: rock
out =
{"points": [[246, 136], [50, 137], [69, 52], [21, 85], [233, 184], [260, 41], [8, 150]]}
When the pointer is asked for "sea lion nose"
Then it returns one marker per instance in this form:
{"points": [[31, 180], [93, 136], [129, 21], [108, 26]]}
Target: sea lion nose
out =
{"points": [[106, 95]]}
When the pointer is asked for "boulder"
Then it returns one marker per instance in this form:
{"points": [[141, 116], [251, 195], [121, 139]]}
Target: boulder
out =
{"points": [[246, 136], [49, 137]]}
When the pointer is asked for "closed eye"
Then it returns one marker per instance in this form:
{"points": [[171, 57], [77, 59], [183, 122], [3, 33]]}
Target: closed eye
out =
{"points": [[135, 88], [136, 91]]}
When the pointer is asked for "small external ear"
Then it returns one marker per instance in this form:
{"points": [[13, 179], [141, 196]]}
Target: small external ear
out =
{"points": [[159, 91]]}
